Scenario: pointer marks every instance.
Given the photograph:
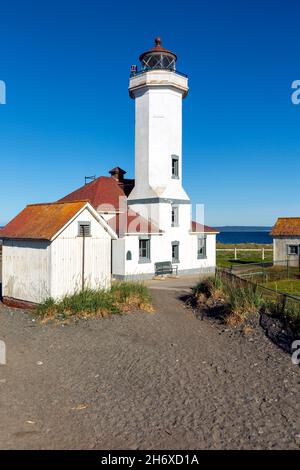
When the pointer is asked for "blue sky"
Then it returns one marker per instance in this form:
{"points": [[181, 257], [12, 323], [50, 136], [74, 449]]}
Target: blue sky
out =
{"points": [[68, 113]]}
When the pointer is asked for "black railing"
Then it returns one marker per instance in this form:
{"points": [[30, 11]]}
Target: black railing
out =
{"points": [[140, 72]]}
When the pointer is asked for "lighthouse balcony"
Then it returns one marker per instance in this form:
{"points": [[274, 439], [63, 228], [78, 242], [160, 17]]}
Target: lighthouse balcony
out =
{"points": [[158, 78], [135, 72]]}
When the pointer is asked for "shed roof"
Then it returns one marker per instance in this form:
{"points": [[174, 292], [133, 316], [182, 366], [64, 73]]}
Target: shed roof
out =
{"points": [[41, 221], [286, 226]]}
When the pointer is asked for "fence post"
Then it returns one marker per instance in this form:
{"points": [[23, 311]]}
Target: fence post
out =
{"points": [[283, 303], [235, 253], [287, 268], [263, 254]]}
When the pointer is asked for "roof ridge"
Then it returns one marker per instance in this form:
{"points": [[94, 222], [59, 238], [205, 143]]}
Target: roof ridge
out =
{"points": [[58, 202], [281, 218]]}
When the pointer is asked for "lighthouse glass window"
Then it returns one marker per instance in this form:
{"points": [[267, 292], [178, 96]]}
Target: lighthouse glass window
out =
{"points": [[175, 172]]}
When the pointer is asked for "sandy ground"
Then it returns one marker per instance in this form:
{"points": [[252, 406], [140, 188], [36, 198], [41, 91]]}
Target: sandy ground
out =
{"points": [[162, 380]]}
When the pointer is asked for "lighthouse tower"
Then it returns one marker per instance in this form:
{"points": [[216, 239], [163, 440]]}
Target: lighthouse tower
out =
{"points": [[158, 90]]}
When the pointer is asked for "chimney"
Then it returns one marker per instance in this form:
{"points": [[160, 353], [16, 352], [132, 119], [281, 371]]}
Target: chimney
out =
{"points": [[118, 174]]}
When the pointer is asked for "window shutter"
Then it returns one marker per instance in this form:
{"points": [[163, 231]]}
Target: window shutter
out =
{"points": [[84, 229]]}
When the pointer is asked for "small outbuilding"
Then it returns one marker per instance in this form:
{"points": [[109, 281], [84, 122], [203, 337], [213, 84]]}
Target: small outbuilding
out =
{"points": [[286, 240], [50, 250]]}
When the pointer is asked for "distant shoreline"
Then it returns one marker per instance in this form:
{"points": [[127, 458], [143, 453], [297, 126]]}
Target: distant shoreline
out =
{"points": [[243, 228], [259, 237]]}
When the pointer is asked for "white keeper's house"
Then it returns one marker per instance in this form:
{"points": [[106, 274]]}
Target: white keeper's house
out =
{"points": [[152, 213]]}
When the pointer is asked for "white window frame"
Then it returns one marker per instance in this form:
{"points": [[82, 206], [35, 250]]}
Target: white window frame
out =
{"points": [[290, 251], [203, 239], [147, 258], [175, 210], [177, 258], [175, 173]]}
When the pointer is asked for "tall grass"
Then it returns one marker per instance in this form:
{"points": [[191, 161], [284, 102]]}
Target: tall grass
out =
{"points": [[241, 303], [121, 297]]}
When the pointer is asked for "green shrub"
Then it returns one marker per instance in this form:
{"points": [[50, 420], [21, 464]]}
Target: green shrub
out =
{"points": [[121, 297]]}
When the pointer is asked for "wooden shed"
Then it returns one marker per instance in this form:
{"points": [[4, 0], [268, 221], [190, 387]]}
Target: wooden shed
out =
{"points": [[50, 250], [286, 241]]}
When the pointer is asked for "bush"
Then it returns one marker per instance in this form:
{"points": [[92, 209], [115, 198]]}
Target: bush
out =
{"points": [[243, 301], [208, 287], [239, 302], [122, 297]]}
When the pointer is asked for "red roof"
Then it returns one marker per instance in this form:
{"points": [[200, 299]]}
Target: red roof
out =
{"points": [[158, 48], [131, 222], [103, 191], [41, 221], [286, 226], [196, 227]]}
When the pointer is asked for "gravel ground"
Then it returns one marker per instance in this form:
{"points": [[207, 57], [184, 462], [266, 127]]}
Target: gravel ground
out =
{"points": [[148, 381]]}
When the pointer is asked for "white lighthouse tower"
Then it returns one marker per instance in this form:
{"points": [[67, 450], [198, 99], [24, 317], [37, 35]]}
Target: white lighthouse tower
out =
{"points": [[158, 90]]}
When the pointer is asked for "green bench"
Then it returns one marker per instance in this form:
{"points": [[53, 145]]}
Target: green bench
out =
{"points": [[164, 267]]}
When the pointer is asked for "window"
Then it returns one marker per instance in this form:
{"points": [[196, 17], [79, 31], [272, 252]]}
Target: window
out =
{"points": [[201, 249], [175, 252], [84, 229], [293, 249], [128, 256], [144, 250], [174, 219], [175, 167]]}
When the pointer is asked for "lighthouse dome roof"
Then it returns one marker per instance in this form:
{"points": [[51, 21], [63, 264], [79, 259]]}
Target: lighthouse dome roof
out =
{"points": [[157, 49]]}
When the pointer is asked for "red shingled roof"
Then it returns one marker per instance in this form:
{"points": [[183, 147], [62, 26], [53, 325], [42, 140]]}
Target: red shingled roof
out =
{"points": [[196, 227], [103, 191], [41, 221], [132, 223], [286, 226], [157, 49]]}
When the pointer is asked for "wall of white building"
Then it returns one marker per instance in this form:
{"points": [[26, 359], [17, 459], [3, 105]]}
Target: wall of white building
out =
{"points": [[280, 252], [33, 270], [161, 250], [158, 133], [66, 258], [26, 269]]}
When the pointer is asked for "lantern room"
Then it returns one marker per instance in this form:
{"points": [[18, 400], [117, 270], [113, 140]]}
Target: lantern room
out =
{"points": [[158, 58]]}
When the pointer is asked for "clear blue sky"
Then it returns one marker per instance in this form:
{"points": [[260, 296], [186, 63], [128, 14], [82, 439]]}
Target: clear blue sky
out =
{"points": [[68, 113]]}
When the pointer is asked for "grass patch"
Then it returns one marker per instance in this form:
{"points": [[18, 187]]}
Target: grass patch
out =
{"points": [[287, 286], [238, 305], [226, 258], [120, 298]]}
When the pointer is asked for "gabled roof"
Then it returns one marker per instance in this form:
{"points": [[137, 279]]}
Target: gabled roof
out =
{"points": [[200, 228], [132, 223], [286, 226], [41, 221], [103, 191]]}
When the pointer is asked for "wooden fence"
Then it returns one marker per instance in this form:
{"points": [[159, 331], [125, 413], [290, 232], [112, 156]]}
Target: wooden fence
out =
{"points": [[236, 250], [281, 299]]}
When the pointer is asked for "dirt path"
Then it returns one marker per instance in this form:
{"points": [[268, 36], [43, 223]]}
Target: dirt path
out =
{"points": [[163, 380]]}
